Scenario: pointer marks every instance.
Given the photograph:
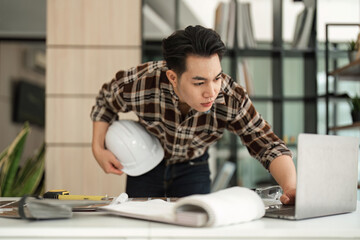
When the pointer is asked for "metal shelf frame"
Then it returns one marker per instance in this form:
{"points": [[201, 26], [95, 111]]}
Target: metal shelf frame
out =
{"points": [[328, 74]]}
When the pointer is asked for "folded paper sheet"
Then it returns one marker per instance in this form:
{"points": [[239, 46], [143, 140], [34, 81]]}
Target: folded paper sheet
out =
{"points": [[225, 207]]}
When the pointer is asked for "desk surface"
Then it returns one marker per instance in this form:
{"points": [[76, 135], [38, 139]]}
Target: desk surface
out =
{"points": [[98, 225]]}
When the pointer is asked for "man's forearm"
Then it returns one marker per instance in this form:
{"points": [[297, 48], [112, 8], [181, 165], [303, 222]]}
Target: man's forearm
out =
{"points": [[283, 170], [99, 133]]}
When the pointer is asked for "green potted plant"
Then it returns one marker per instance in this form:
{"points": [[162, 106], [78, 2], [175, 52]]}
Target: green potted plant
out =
{"points": [[18, 180], [355, 108], [353, 48]]}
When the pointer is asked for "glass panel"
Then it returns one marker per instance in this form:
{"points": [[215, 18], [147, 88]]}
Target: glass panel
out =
{"points": [[203, 12], [259, 81], [330, 11], [343, 115], [224, 143], [340, 62], [147, 57], [158, 19], [293, 121], [215, 14], [331, 113], [250, 173], [291, 9], [262, 21], [293, 149], [321, 117], [293, 77], [321, 75], [352, 88], [265, 109], [226, 65], [198, 12]]}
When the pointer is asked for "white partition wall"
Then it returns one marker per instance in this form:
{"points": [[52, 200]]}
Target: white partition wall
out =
{"points": [[88, 41]]}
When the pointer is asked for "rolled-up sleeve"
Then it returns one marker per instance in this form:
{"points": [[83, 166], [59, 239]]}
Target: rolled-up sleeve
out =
{"points": [[256, 134]]}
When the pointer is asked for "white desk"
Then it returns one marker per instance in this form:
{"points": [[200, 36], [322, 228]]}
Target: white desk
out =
{"points": [[100, 226]]}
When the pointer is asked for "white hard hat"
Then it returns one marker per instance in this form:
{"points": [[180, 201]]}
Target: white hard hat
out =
{"points": [[136, 149]]}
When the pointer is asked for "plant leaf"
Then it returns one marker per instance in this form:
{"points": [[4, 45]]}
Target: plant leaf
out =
{"points": [[12, 159], [29, 163], [3, 168], [31, 174], [40, 190], [2, 159], [2, 156]]}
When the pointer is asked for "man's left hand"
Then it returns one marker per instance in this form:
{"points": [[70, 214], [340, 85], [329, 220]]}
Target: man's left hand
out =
{"points": [[288, 197]]}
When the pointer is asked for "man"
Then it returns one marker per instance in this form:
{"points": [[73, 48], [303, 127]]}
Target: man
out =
{"points": [[187, 102]]}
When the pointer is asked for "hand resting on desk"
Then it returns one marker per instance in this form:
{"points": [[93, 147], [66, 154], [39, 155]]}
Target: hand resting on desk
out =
{"points": [[288, 197]]}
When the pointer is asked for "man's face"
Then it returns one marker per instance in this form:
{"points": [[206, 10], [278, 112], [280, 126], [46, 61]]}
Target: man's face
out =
{"points": [[200, 84]]}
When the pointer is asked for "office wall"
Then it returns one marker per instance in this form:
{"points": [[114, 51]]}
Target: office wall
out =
{"points": [[14, 67], [22, 18], [88, 41]]}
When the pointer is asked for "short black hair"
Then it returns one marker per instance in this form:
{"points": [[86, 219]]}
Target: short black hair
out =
{"points": [[193, 40]]}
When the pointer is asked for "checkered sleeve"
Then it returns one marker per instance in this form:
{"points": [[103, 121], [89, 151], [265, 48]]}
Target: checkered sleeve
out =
{"points": [[110, 100], [256, 134]]}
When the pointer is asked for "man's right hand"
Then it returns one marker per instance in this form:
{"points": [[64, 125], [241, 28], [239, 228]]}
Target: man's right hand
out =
{"points": [[104, 157], [108, 161]]}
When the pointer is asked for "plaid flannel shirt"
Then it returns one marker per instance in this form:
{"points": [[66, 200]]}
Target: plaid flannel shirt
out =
{"points": [[146, 91]]}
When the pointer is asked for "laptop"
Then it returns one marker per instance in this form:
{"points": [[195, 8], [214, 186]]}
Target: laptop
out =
{"points": [[327, 178]]}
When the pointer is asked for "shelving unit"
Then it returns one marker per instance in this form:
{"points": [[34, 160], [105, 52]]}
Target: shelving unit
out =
{"points": [[349, 72], [277, 53], [350, 126]]}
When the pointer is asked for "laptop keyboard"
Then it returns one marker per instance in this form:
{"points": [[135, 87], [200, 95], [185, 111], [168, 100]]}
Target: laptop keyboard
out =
{"points": [[280, 209]]}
